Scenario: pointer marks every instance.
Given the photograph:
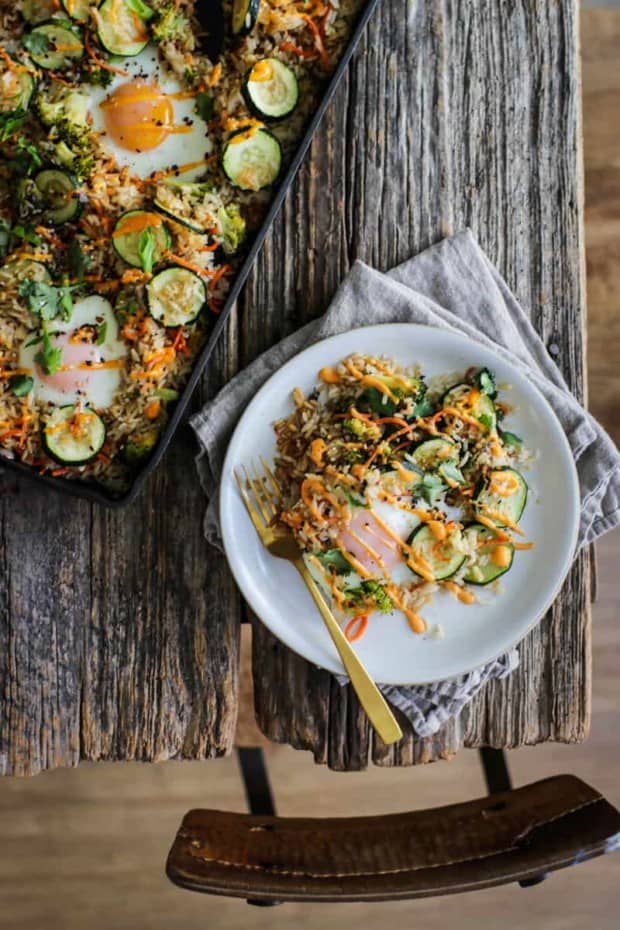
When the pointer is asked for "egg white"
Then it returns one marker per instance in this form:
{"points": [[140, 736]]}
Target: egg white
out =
{"points": [[176, 149], [102, 384]]}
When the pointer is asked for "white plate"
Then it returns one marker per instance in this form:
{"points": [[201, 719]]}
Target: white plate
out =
{"points": [[473, 634]]}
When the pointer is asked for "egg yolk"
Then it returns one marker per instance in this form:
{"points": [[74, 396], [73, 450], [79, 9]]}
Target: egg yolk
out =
{"points": [[138, 116]]}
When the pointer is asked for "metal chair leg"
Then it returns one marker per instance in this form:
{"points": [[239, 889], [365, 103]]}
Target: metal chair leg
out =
{"points": [[258, 793], [497, 778]]}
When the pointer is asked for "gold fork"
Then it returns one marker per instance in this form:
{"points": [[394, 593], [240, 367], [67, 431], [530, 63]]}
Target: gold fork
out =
{"points": [[281, 543]]}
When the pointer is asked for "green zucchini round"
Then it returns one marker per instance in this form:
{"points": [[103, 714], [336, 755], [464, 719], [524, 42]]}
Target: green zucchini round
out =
{"points": [[509, 507], [59, 196], [485, 569], [244, 16], [70, 447], [127, 246], [115, 21], [16, 88], [271, 89], [176, 296], [63, 49], [443, 556], [252, 162]]}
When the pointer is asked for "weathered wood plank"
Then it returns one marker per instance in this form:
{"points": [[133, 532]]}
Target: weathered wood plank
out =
{"points": [[454, 115]]}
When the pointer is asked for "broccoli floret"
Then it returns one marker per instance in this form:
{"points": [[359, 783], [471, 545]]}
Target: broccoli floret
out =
{"points": [[63, 109], [78, 158], [140, 447], [232, 227], [371, 594], [169, 25]]}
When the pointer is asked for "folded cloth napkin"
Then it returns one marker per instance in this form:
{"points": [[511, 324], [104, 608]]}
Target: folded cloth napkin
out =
{"points": [[452, 285]]}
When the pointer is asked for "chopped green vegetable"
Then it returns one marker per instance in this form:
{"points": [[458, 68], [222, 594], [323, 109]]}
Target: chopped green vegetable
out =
{"points": [[21, 385], [372, 592], [511, 439], [49, 357], [78, 261], [204, 106], [232, 227], [170, 24], [37, 43], [450, 472], [138, 448], [167, 394], [334, 559], [144, 11], [487, 420], [146, 250], [485, 382], [46, 300], [431, 487], [27, 233], [102, 331]]}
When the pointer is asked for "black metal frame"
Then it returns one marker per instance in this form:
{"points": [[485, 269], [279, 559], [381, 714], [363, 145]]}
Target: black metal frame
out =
{"points": [[91, 491], [260, 796]]}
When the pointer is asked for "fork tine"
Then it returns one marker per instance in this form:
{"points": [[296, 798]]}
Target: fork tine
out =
{"points": [[259, 526], [273, 481], [266, 494], [256, 492]]}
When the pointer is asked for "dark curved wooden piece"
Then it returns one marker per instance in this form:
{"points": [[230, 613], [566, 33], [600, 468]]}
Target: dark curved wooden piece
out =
{"points": [[508, 837]]}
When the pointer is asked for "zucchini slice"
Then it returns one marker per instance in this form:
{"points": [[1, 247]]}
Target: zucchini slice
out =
{"points": [[502, 497], [492, 556], [54, 46], [252, 159], [244, 16], [59, 196], [271, 89], [178, 217], [431, 454], [25, 269], [79, 10], [128, 232], [443, 557], [474, 402], [17, 85], [120, 29], [176, 296], [37, 11], [73, 436]]}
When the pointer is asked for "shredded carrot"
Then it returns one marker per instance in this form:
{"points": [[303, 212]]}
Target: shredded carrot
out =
{"points": [[297, 50], [209, 248], [318, 41], [102, 457], [184, 263], [215, 75], [220, 273], [57, 472], [153, 409], [356, 627], [180, 342]]}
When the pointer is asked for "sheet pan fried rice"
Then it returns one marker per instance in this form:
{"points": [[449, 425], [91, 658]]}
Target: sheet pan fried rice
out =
{"points": [[395, 487], [57, 89]]}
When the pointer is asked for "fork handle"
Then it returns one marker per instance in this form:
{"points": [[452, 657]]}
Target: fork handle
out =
{"points": [[371, 699]]}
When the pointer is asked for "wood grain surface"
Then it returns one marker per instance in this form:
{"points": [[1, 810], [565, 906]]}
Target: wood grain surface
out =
{"points": [[119, 632]]}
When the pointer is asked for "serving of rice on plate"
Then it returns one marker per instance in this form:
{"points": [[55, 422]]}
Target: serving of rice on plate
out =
{"points": [[134, 170], [395, 487]]}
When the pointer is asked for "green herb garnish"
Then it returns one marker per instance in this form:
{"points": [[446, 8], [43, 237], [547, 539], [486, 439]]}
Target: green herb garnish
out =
{"points": [[511, 439], [46, 300], [78, 261], [372, 592], [102, 330], [21, 385], [37, 43], [334, 559], [204, 106], [146, 250], [144, 11], [49, 357]]}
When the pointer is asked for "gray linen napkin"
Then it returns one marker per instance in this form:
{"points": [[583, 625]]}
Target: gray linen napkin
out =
{"points": [[452, 285]]}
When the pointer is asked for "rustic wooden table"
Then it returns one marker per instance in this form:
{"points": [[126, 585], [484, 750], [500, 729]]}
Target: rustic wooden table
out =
{"points": [[119, 631]]}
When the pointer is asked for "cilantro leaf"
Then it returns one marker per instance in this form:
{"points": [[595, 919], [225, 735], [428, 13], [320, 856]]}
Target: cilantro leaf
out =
{"points": [[334, 558], [449, 471], [485, 382], [146, 250], [49, 357], [102, 330], [511, 439], [21, 385], [37, 43], [375, 400], [431, 487], [424, 407], [46, 300], [204, 106]]}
